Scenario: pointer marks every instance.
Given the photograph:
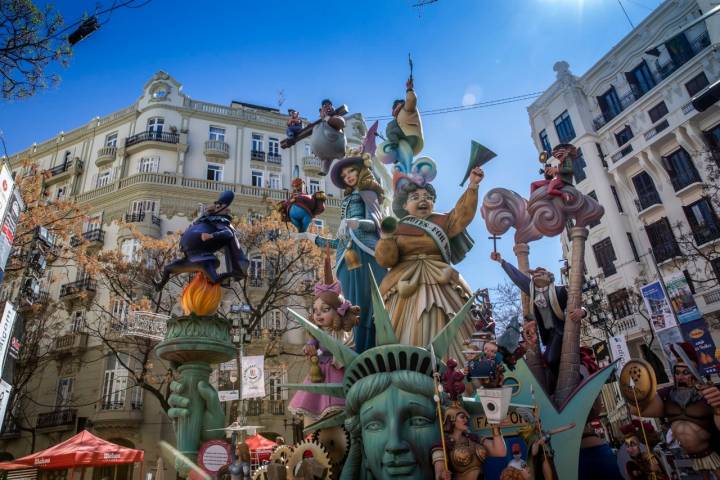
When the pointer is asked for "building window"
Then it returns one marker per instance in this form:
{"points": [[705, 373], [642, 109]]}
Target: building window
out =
{"points": [[273, 146], [61, 192], [696, 84], [641, 79], [619, 302], [307, 149], [605, 256], [214, 172], [662, 240], [155, 125], [564, 127], [103, 178], [681, 169], [149, 165], [609, 104], [579, 167], [77, 322], [645, 188], [111, 140], [129, 249], [115, 382], [257, 178], [255, 269], [703, 221], [66, 157], [63, 396], [217, 133], [623, 136], [119, 309], [139, 207], [657, 112], [617, 198], [313, 186], [274, 181], [257, 142], [633, 247], [594, 223], [545, 141]]}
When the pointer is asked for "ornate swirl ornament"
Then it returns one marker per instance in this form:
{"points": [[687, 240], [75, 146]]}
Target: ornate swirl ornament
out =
{"points": [[502, 209], [550, 214]]}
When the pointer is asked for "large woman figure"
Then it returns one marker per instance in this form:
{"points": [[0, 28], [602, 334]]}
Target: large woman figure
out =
{"points": [[356, 238], [422, 291]]}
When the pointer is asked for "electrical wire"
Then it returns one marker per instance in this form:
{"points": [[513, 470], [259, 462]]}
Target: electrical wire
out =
{"points": [[462, 108], [110, 9], [626, 14]]}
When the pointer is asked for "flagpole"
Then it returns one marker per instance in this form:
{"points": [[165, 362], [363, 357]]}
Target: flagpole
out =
{"points": [[642, 428]]}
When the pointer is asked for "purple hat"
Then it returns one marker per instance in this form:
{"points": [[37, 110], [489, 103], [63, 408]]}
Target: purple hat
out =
{"points": [[337, 168]]}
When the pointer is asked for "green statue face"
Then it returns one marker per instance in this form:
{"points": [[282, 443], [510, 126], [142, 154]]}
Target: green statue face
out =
{"points": [[399, 429]]}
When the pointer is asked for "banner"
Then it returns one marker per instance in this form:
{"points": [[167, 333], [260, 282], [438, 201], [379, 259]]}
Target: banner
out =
{"points": [[681, 298], [5, 389], [6, 187], [253, 377], [602, 354], [661, 315], [7, 229], [228, 384], [7, 324], [667, 337], [619, 350], [698, 334]]}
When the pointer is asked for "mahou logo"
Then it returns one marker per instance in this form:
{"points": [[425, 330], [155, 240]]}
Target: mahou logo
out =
{"points": [[42, 461], [111, 456]]}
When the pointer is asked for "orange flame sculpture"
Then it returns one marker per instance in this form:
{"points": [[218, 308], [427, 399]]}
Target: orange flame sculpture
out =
{"points": [[201, 296]]}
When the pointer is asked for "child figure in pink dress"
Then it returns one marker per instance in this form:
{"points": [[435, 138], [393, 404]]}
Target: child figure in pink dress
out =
{"points": [[336, 316]]}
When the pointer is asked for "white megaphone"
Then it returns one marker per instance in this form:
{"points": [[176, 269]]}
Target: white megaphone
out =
{"points": [[495, 403]]}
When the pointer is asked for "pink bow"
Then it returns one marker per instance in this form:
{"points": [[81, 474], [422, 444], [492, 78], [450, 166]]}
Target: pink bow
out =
{"points": [[343, 308], [332, 288]]}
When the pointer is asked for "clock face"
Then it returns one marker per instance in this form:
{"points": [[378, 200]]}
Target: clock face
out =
{"points": [[160, 93]]}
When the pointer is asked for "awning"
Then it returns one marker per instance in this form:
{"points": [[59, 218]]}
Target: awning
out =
{"points": [[82, 450]]}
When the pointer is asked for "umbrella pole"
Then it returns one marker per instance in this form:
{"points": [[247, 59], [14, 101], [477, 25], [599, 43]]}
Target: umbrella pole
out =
{"points": [[142, 464]]}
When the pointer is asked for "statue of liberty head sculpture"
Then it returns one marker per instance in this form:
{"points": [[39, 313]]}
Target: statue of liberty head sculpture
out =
{"points": [[389, 412]]}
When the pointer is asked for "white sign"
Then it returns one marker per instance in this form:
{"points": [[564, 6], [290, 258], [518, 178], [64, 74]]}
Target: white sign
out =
{"points": [[5, 389], [619, 351], [253, 377], [6, 187], [7, 323]]}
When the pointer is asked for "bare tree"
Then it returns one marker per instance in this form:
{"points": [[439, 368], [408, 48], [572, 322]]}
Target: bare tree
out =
{"points": [[30, 41], [507, 304]]}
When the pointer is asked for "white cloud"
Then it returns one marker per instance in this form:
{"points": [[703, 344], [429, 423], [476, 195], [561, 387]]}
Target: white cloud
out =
{"points": [[468, 99], [473, 94]]}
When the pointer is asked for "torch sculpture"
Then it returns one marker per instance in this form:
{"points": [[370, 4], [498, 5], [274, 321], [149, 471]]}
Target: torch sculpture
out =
{"points": [[199, 337]]}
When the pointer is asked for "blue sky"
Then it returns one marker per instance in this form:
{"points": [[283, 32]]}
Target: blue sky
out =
{"points": [[355, 53]]}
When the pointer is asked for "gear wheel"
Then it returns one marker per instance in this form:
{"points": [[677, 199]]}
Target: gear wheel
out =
{"points": [[260, 474], [336, 441], [318, 453], [281, 454]]}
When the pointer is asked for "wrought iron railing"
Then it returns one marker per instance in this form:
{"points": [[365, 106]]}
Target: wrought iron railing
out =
{"points": [[257, 155], [64, 167], [57, 418], [94, 235], [665, 251], [87, 284], [275, 158], [164, 137], [647, 200]]}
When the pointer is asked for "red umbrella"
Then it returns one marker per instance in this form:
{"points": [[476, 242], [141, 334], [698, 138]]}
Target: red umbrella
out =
{"points": [[82, 450]]}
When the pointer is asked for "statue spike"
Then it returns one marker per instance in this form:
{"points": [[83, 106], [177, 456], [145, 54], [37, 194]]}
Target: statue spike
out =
{"points": [[342, 354], [332, 389], [442, 341], [384, 333]]}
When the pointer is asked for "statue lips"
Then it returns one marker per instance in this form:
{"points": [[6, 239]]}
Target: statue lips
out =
{"points": [[399, 468]]}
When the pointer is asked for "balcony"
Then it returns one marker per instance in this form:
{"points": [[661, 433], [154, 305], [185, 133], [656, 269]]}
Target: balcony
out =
{"points": [[32, 300], [274, 158], [670, 66], [70, 344], [621, 153], [95, 237], [656, 129], [276, 407], [625, 101], [608, 269], [57, 420], [77, 289], [106, 155], [119, 413], [665, 251], [217, 149], [257, 155], [64, 171], [139, 217], [643, 202], [684, 179], [255, 281], [711, 297], [10, 429], [706, 233], [311, 164], [160, 140]]}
